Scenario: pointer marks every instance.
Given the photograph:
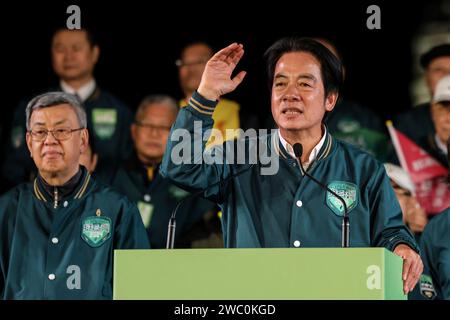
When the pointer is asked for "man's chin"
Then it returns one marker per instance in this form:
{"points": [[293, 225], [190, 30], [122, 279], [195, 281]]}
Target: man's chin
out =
{"points": [[52, 168], [71, 76], [290, 126]]}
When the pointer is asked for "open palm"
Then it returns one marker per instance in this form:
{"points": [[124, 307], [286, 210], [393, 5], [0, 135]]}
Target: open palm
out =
{"points": [[216, 79]]}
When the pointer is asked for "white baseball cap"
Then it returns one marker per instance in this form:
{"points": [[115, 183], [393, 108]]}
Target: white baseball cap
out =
{"points": [[442, 92], [399, 176]]}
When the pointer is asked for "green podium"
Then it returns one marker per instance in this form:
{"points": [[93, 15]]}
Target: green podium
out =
{"points": [[258, 274]]}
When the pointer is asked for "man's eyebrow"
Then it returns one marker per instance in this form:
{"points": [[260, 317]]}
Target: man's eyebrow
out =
{"points": [[56, 123], [39, 124], [280, 75], [60, 121], [308, 76]]}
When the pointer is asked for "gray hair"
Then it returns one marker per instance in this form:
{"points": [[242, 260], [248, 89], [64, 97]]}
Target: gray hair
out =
{"points": [[156, 98], [51, 99]]}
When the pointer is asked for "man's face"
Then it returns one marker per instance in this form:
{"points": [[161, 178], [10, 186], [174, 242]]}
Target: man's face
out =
{"points": [[440, 114], [193, 61], [73, 57], [298, 101], [52, 156], [151, 133], [437, 69]]}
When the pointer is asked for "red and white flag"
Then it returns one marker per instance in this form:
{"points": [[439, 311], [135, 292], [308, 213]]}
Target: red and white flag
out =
{"points": [[427, 174]]}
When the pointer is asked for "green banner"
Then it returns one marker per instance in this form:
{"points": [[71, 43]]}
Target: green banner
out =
{"points": [[258, 274]]}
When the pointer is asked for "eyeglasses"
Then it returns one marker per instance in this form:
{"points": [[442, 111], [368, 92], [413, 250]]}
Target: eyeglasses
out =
{"points": [[180, 63], [149, 126], [59, 134]]}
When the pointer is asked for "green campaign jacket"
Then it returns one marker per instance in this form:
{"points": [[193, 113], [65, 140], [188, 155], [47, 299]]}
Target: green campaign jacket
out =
{"points": [[435, 248], [67, 252], [288, 209]]}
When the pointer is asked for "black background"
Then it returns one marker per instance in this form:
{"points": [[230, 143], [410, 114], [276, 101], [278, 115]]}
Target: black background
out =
{"points": [[140, 40]]}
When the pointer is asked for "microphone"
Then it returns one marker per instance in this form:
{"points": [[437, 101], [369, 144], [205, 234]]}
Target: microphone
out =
{"points": [[172, 222], [298, 151]]}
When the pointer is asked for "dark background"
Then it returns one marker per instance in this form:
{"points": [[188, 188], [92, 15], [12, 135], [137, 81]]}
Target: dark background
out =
{"points": [[140, 40]]}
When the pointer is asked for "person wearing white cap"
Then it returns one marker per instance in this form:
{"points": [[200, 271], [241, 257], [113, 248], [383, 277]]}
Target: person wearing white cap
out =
{"points": [[414, 215], [436, 65], [434, 141]]}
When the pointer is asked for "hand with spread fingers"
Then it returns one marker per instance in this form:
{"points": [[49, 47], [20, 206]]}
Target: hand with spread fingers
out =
{"points": [[216, 79], [412, 266]]}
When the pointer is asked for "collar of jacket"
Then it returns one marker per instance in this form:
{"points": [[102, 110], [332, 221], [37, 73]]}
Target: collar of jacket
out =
{"points": [[74, 188], [324, 152], [133, 164], [93, 96]]}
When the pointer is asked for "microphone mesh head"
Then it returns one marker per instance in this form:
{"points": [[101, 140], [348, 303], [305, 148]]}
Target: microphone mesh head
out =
{"points": [[298, 149]]}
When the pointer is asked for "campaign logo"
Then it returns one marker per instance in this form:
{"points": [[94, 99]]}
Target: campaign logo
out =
{"points": [[96, 230], [346, 190]]}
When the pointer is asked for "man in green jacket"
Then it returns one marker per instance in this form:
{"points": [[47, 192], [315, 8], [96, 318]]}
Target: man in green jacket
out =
{"points": [[284, 208], [435, 246], [59, 232], [435, 252]]}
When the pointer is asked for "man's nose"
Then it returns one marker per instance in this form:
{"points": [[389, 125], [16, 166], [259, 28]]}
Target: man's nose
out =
{"points": [[50, 139], [68, 54], [292, 91], [291, 94]]}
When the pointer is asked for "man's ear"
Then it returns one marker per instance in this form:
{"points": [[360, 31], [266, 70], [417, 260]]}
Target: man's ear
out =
{"points": [[84, 141], [95, 53], [94, 162], [133, 130], [330, 101], [29, 143]]}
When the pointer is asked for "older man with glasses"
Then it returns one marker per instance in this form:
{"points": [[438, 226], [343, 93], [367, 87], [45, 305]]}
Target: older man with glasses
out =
{"points": [[59, 232]]}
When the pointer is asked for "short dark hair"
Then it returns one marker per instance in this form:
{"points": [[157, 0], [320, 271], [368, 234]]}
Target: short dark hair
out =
{"points": [[55, 98], [442, 50], [92, 40], [330, 65]]}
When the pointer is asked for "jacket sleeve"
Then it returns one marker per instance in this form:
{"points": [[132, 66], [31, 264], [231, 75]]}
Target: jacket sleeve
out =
{"points": [[130, 232], [387, 227], [434, 247], [8, 208], [186, 162]]}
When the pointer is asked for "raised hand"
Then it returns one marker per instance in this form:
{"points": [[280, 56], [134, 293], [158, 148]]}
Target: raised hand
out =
{"points": [[216, 79]]}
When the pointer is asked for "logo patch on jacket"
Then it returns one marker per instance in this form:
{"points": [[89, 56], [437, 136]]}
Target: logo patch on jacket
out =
{"points": [[348, 125], [177, 193], [104, 121], [96, 230], [348, 191], [426, 287]]}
